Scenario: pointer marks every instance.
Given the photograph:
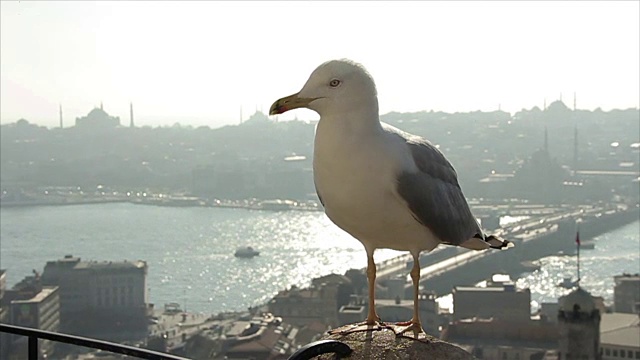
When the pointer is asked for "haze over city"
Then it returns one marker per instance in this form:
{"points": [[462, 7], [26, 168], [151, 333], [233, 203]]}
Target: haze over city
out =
{"points": [[200, 63]]}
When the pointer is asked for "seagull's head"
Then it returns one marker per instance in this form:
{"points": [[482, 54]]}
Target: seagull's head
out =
{"points": [[335, 86]]}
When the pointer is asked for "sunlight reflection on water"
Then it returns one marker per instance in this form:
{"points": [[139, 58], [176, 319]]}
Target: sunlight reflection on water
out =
{"points": [[190, 251]]}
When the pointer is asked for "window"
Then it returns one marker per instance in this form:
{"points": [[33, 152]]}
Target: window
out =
{"points": [[615, 352], [630, 354], [637, 354], [607, 351]]}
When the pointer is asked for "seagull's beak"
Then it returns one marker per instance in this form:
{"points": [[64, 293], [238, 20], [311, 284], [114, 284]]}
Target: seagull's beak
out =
{"points": [[289, 103]]}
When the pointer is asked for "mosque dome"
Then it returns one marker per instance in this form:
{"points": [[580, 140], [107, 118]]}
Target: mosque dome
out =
{"points": [[97, 113]]}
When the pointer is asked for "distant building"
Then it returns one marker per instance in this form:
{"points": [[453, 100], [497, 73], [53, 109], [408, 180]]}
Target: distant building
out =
{"points": [[396, 310], [494, 322], [34, 306], [106, 299], [549, 311], [261, 337], [498, 339], [578, 327], [626, 293], [318, 303], [499, 301], [620, 336], [539, 178], [97, 119]]}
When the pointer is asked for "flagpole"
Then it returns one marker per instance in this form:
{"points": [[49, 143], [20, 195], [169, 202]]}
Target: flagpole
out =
{"points": [[578, 248]]}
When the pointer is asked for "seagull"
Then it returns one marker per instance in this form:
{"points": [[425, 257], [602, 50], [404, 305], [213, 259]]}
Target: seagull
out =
{"points": [[385, 187]]}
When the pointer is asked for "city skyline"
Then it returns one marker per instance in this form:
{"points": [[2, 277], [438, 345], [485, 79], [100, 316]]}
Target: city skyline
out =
{"points": [[169, 60]]}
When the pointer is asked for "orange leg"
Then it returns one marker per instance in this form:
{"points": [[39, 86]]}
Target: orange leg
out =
{"points": [[372, 322], [413, 325], [372, 316]]}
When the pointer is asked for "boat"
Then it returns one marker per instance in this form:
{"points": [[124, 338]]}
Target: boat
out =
{"points": [[246, 252]]}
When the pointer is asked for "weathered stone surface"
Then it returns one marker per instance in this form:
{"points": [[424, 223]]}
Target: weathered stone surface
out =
{"points": [[385, 345]]}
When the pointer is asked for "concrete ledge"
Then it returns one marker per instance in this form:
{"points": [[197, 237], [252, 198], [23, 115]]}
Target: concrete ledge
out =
{"points": [[384, 344]]}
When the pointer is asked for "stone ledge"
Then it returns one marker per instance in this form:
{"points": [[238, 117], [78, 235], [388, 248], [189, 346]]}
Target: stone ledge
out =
{"points": [[385, 345]]}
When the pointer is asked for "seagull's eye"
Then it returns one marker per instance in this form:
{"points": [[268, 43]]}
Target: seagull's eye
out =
{"points": [[334, 83]]}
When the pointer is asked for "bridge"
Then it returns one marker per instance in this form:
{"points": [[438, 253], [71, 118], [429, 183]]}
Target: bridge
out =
{"points": [[546, 231]]}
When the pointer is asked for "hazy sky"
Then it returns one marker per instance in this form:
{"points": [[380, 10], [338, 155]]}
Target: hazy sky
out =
{"points": [[200, 62]]}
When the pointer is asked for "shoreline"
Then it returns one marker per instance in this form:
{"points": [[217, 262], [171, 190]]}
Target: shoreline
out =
{"points": [[168, 203]]}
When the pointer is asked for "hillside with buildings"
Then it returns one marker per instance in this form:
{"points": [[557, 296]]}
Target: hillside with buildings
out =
{"points": [[574, 155]]}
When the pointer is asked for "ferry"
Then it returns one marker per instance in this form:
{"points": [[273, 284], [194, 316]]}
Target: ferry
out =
{"points": [[246, 252]]}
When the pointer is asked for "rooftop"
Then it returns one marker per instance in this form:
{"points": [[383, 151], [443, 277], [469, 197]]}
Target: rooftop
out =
{"points": [[487, 289], [620, 329], [139, 264], [627, 277], [46, 291]]}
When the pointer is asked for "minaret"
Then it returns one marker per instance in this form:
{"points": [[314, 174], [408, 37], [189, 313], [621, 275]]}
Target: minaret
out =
{"points": [[131, 114], [240, 114], [60, 116], [545, 105], [575, 148], [574, 101], [101, 108]]}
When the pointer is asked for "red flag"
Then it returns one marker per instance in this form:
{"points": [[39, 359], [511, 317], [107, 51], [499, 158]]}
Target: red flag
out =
{"points": [[578, 238]]}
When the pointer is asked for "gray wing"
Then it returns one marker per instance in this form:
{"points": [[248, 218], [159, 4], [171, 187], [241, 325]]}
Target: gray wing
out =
{"points": [[434, 195]]}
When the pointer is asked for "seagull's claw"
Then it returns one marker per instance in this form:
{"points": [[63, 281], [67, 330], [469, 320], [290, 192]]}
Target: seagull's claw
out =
{"points": [[363, 326], [413, 328]]}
